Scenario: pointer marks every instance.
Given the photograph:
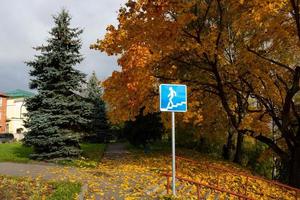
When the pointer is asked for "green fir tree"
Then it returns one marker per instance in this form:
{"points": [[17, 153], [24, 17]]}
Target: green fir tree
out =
{"points": [[99, 124], [57, 114]]}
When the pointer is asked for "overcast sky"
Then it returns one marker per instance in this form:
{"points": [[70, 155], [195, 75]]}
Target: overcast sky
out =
{"points": [[25, 24]]}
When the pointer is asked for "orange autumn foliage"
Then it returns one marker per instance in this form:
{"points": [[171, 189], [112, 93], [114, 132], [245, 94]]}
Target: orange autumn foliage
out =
{"points": [[229, 50]]}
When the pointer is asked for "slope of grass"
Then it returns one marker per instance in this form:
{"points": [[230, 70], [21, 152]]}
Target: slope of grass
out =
{"points": [[208, 171]]}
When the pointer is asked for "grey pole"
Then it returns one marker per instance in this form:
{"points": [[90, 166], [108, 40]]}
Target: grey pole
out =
{"points": [[173, 154]]}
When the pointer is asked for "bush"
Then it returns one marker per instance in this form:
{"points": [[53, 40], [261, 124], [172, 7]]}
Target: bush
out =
{"points": [[258, 157], [185, 136], [144, 130], [208, 146]]}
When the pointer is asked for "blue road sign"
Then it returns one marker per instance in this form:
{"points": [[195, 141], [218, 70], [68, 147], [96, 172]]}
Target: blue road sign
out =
{"points": [[173, 98]]}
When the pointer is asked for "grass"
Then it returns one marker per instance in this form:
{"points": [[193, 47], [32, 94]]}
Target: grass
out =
{"points": [[156, 147], [93, 151], [91, 156], [65, 191], [16, 152], [34, 189]]}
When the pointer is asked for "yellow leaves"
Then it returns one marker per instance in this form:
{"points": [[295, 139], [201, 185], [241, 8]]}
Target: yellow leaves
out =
{"points": [[24, 188], [185, 18], [132, 176], [258, 122], [181, 41], [226, 176], [128, 91], [194, 114]]}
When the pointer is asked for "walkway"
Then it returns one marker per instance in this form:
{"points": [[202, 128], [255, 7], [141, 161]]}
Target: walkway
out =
{"points": [[115, 150], [120, 175], [35, 170]]}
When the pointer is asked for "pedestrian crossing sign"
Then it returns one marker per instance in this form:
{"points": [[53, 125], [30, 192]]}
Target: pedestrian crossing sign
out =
{"points": [[173, 98]]}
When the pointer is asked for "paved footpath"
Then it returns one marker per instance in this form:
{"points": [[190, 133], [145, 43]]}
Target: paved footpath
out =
{"points": [[115, 150], [44, 171], [35, 170], [104, 182]]}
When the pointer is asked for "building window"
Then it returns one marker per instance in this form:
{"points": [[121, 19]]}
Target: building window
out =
{"points": [[0, 102], [20, 130]]}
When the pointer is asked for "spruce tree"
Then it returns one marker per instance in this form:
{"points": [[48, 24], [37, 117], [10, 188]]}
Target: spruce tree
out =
{"points": [[98, 117], [57, 113]]}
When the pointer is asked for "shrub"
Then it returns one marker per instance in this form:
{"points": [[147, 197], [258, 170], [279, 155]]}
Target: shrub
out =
{"points": [[144, 130]]}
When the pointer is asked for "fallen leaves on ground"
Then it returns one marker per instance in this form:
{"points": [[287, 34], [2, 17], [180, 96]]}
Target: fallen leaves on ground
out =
{"points": [[138, 176], [24, 188]]}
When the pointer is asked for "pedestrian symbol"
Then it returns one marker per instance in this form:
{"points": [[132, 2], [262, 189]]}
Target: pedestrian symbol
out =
{"points": [[173, 98]]}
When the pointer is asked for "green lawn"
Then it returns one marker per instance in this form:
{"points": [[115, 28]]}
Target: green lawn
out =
{"points": [[92, 153], [16, 152], [64, 191], [36, 189]]}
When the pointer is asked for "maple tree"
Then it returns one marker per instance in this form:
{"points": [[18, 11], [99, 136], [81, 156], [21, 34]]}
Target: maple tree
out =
{"points": [[218, 49], [178, 54], [132, 89], [273, 75]]}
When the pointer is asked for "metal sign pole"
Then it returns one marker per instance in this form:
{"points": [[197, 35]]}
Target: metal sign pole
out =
{"points": [[173, 154], [173, 98]]}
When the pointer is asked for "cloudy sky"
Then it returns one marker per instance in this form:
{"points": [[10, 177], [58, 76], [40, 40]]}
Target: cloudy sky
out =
{"points": [[25, 24]]}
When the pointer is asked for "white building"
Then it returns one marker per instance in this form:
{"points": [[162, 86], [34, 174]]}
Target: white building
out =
{"points": [[16, 111]]}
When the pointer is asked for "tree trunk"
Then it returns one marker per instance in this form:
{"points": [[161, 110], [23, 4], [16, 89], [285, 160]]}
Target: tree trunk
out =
{"points": [[294, 175], [239, 145], [227, 148]]}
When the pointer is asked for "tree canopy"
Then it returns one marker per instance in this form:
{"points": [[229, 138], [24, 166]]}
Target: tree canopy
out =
{"points": [[241, 54]]}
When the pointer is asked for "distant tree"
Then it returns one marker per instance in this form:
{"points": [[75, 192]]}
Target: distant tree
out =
{"points": [[98, 117], [144, 129], [57, 114]]}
